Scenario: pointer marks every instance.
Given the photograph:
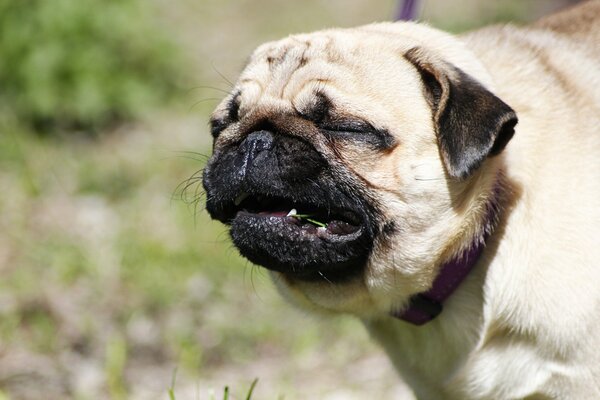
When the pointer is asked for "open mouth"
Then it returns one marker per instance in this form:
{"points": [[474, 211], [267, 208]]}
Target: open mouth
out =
{"points": [[309, 220], [307, 240]]}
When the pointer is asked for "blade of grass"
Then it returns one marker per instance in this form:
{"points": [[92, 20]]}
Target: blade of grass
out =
{"points": [[226, 393], [172, 388], [318, 223], [252, 386], [312, 221]]}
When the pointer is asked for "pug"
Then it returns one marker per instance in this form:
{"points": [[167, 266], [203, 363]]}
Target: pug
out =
{"points": [[445, 190]]}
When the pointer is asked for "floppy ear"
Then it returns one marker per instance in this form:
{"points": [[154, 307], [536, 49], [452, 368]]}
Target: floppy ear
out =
{"points": [[471, 123]]}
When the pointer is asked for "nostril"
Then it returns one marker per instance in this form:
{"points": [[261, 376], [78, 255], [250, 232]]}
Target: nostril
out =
{"points": [[254, 144], [257, 142], [265, 156]]}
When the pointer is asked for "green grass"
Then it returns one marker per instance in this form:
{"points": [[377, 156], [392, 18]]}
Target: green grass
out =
{"points": [[116, 360], [82, 65], [226, 391]]}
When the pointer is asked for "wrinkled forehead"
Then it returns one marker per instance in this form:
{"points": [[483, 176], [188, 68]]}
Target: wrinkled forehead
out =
{"points": [[332, 47], [285, 75], [311, 62]]}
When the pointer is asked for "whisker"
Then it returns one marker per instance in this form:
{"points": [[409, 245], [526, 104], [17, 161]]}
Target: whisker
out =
{"points": [[324, 277], [182, 190], [225, 239], [202, 101], [208, 87], [221, 75], [201, 156], [255, 269]]}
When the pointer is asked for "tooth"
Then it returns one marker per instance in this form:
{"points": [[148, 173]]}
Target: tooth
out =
{"points": [[240, 198], [292, 212]]}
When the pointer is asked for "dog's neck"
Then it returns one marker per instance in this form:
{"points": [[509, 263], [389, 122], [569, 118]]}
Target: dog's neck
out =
{"points": [[424, 307]]}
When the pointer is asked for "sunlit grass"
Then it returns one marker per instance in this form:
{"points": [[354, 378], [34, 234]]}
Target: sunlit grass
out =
{"points": [[226, 391]]}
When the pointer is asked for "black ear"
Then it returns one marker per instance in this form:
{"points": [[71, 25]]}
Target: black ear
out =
{"points": [[471, 123]]}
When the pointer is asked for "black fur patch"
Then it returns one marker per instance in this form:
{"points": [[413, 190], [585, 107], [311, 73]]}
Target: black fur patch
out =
{"points": [[218, 125], [474, 124], [471, 122]]}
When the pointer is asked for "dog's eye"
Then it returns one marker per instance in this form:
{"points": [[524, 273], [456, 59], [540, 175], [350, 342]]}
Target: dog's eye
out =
{"points": [[217, 125], [349, 126], [233, 107], [359, 131]]}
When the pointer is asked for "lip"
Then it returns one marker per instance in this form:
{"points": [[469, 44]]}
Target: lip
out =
{"points": [[300, 251], [335, 231]]}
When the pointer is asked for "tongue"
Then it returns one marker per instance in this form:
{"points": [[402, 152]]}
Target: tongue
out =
{"points": [[341, 228]]}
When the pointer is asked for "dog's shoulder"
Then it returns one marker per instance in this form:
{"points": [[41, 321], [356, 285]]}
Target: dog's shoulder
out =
{"points": [[538, 67], [581, 23]]}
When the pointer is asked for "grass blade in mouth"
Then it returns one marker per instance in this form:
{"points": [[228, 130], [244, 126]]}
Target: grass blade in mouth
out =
{"points": [[306, 217], [318, 223]]}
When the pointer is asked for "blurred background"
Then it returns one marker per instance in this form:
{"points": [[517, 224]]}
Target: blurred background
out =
{"points": [[114, 283]]}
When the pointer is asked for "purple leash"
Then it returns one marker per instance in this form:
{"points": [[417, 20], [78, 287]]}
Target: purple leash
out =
{"points": [[407, 11]]}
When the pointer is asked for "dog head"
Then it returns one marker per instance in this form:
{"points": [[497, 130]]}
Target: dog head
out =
{"points": [[381, 139]]}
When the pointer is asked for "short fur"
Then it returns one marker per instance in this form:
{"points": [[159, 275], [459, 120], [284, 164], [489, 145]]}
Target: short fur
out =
{"points": [[525, 324]]}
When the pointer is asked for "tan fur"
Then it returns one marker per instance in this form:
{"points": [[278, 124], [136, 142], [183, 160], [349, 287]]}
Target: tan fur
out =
{"points": [[578, 23], [526, 322]]}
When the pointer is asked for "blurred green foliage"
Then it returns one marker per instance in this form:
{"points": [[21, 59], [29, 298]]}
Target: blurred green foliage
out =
{"points": [[83, 64]]}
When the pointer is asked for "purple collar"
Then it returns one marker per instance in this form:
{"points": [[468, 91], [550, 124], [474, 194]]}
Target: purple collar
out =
{"points": [[424, 307]]}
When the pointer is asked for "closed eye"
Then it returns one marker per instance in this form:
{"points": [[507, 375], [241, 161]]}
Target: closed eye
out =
{"points": [[355, 126], [217, 125], [358, 131]]}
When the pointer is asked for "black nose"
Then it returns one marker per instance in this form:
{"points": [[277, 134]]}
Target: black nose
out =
{"points": [[253, 149], [267, 163]]}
